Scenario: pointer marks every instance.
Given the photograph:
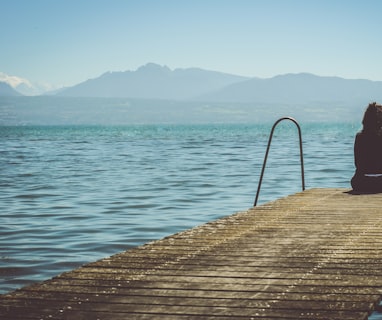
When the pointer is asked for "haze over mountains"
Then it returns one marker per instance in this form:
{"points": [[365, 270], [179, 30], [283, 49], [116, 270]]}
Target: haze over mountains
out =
{"points": [[153, 81], [300, 88], [7, 90], [159, 82], [157, 94], [24, 86]]}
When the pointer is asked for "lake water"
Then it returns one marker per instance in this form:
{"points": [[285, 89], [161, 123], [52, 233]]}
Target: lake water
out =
{"points": [[75, 194]]}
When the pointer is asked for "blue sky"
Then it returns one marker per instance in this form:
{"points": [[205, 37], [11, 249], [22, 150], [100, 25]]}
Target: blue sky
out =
{"points": [[64, 42]]}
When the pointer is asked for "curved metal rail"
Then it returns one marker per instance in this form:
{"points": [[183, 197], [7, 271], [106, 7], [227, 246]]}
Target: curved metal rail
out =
{"points": [[266, 155]]}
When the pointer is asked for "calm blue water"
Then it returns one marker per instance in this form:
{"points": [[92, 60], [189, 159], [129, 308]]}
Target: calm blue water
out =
{"points": [[75, 194]]}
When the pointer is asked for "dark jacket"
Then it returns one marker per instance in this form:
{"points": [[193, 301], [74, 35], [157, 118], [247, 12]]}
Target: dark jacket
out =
{"points": [[368, 160]]}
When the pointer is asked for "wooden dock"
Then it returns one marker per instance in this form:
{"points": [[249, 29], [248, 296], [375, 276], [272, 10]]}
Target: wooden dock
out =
{"points": [[313, 255]]}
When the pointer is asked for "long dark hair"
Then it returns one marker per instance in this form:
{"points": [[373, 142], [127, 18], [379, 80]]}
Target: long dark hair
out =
{"points": [[372, 119]]}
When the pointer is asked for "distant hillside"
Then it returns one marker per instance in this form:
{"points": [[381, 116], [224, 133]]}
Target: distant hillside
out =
{"points": [[7, 90], [159, 82], [299, 88], [153, 82]]}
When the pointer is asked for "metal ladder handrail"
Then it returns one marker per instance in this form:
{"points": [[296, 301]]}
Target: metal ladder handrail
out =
{"points": [[266, 155]]}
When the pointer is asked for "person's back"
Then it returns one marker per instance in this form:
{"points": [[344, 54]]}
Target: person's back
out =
{"points": [[368, 152]]}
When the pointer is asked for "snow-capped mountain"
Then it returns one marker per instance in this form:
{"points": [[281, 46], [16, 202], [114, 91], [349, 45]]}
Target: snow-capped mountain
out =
{"points": [[24, 86]]}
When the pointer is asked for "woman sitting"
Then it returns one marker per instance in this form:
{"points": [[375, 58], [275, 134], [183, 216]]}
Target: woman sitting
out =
{"points": [[368, 152]]}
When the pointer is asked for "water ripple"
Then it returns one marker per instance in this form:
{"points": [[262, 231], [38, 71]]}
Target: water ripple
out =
{"points": [[71, 195]]}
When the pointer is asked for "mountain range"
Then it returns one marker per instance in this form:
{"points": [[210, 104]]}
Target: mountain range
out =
{"points": [[153, 81], [300, 88], [155, 93]]}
